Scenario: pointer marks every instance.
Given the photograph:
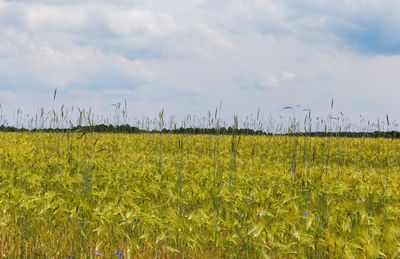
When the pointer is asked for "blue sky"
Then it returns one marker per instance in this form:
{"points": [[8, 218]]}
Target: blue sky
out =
{"points": [[189, 56]]}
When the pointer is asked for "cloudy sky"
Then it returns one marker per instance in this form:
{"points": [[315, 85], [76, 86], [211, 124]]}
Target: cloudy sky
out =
{"points": [[187, 56]]}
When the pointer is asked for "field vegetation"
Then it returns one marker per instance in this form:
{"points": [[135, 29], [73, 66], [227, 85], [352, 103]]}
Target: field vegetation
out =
{"points": [[213, 191], [178, 196]]}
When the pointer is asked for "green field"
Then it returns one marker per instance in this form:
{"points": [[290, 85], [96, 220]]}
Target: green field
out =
{"points": [[176, 196]]}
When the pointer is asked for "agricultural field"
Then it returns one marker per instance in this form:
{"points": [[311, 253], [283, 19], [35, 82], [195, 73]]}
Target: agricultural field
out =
{"points": [[206, 196]]}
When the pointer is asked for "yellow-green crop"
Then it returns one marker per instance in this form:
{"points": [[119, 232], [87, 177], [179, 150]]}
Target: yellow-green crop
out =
{"points": [[141, 196]]}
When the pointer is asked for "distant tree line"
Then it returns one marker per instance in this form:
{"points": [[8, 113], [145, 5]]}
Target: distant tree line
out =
{"points": [[375, 134], [102, 128]]}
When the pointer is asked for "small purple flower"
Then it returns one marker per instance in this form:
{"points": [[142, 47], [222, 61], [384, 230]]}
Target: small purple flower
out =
{"points": [[245, 200], [69, 255], [265, 213], [274, 182], [313, 242], [59, 171], [258, 215], [318, 217], [264, 181], [98, 253], [369, 213], [240, 215], [215, 225], [295, 199], [305, 213], [252, 227], [222, 181], [360, 198], [308, 198], [118, 252], [381, 193], [284, 219]]}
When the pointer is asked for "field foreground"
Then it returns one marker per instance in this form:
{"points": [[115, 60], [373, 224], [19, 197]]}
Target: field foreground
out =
{"points": [[175, 196]]}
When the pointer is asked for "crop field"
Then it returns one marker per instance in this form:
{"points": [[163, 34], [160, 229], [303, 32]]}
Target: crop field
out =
{"points": [[207, 196]]}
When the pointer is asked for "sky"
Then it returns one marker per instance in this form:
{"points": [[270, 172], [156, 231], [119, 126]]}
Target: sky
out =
{"points": [[188, 56]]}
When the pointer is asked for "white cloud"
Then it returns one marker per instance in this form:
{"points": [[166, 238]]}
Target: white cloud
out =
{"points": [[270, 81], [134, 68], [58, 68], [117, 91], [59, 65], [45, 17], [214, 37], [9, 96], [208, 42], [287, 76], [141, 23], [3, 5], [273, 80]]}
